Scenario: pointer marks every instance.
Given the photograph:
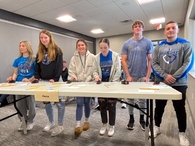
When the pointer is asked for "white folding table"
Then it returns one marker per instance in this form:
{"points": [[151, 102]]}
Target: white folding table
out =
{"points": [[139, 90]]}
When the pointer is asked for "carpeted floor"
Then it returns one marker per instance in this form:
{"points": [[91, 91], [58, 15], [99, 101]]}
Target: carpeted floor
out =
{"points": [[9, 136]]}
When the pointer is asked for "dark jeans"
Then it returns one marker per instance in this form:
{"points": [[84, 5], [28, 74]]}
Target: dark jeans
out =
{"points": [[3, 99], [110, 105], [107, 104], [179, 106]]}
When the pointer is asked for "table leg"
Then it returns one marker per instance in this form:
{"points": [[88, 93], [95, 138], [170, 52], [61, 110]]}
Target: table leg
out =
{"points": [[147, 124], [151, 123]]}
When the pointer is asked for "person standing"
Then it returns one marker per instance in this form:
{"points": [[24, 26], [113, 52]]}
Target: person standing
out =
{"points": [[64, 72], [80, 70], [48, 68], [136, 59], [172, 60], [107, 68], [24, 68]]}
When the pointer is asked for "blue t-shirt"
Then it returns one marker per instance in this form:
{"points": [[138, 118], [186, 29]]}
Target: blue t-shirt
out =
{"points": [[137, 54], [25, 69], [106, 64]]}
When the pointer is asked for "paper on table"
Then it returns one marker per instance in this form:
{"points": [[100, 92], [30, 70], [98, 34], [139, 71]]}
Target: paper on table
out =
{"points": [[46, 95], [81, 85], [73, 87], [149, 91], [7, 84]]}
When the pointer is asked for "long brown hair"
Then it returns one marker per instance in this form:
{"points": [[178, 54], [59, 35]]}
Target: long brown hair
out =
{"points": [[53, 48], [30, 51]]}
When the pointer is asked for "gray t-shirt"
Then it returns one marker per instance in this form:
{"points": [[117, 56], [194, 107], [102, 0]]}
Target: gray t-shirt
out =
{"points": [[137, 54]]}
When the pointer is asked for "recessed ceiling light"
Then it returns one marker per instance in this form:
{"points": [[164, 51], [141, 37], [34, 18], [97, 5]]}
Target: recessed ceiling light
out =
{"points": [[97, 31], [145, 1], [157, 21], [66, 18]]}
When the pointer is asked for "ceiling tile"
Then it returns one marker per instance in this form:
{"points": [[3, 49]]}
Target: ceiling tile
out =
{"points": [[11, 6], [82, 5], [99, 2], [105, 14]]}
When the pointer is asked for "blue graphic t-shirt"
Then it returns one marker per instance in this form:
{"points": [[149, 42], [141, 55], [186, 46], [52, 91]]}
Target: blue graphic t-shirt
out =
{"points": [[106, 64], [25, 69], [137, 53]]}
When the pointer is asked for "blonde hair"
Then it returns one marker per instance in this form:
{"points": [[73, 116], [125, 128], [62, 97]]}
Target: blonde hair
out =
{"points": [[53, 48], [138, 22], [30, 51]]}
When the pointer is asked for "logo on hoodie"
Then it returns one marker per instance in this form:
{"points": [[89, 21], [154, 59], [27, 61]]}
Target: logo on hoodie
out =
{"points": [[169, 55]]}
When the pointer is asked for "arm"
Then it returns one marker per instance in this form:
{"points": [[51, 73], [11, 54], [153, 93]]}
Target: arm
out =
{"points": [[96, 70], [58, 68], [72, 70], [125, 67], [37, 69], [148, 68], [14, 76], [117, 65], [28, 80], [188, 59]]}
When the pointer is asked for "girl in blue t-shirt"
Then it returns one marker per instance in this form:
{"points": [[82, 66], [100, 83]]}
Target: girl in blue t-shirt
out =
{"points": [[24, 67], [107, 68]]}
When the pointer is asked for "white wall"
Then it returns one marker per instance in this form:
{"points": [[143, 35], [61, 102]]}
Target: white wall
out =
{"points": [[189, 34], [12, 33], [116, 42]]}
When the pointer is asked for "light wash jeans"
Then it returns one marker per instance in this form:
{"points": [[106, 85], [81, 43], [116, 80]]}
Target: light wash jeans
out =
{"points": [[50, 111], [86, 101], [140, 102]]}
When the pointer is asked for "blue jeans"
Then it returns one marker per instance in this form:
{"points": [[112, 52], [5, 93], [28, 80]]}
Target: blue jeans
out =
{"points": [[3, 97], [50, 112], [86, 101]]}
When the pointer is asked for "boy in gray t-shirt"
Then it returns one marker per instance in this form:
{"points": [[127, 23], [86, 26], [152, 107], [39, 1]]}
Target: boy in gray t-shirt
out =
{"points": [[136, 62]]}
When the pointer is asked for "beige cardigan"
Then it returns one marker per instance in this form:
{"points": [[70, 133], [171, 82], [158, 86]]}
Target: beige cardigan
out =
{"points": [[115, 70]]}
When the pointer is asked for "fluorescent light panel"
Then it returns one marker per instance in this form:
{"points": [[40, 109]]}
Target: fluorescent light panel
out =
{"points": [[97, 31], [158, 20], [66, 18], [145, 1]]}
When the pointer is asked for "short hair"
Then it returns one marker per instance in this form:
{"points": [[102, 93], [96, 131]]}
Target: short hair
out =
{"points": [[171, 22], [64, 61], [139, 22]]}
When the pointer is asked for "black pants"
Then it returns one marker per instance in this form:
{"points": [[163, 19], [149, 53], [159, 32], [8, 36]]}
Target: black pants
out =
{"points": [[3, 99], [110, 105], [107, 104], [179, 106]]}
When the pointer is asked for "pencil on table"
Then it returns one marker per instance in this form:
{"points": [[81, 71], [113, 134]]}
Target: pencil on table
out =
{"points": [[106, 86]]}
